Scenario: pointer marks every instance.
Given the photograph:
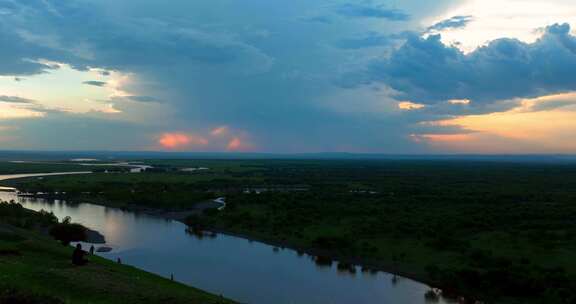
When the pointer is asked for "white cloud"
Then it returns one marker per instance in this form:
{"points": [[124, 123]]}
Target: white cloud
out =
{"points": [[493, 19]]}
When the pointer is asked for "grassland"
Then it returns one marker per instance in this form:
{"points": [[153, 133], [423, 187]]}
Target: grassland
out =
{"points": [[165, 187], [7, 167], [36, 269], [495, 231]]}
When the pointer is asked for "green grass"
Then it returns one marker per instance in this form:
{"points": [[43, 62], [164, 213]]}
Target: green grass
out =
{"points": [[34, 265], [501, 232], [159, 190], [45, 167], [167, 190], [215, 166]]}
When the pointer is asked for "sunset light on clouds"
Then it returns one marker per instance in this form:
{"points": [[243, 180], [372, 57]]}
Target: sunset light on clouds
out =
{"points": [[179, 141], [448, 76], [220, 131], [237, 144], [217, 139], [8, 111], [541, 125]]}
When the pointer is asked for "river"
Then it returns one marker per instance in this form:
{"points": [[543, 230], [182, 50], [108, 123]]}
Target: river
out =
{"points": [[246, 271]]}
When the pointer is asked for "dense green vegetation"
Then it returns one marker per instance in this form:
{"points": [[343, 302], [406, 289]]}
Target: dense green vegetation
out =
{"points": [[165, 186], [160, 190], [495, 231], [46, 167], [492, 231], [35, 269]]}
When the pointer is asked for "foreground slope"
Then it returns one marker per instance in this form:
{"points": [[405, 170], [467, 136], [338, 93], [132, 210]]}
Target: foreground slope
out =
{"points": [[37, 269]]}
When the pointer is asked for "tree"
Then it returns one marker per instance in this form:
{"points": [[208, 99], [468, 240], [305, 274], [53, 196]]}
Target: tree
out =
{"points": [[67, 232]]}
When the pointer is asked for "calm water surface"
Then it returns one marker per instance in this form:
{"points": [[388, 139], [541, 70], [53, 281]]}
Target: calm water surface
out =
{"points": [[249, 272]]}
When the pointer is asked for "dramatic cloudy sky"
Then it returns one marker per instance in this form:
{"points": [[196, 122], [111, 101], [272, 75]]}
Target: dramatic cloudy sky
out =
{"points": [[389, 76]]}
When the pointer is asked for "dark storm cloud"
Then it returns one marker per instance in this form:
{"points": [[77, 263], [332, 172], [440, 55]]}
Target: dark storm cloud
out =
{"points": [[95, 83], [366, 41], [318, 19], [371, 10], [16, 99], [424, 70], [112, 44], [251, 65], [143, 98], [17, 56], [451, 23]]}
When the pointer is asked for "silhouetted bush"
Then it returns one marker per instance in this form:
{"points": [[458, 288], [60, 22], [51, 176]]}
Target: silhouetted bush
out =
{"points": [[323, 261], [211, 211], [14, 214], [67, 232], [331, 242]]}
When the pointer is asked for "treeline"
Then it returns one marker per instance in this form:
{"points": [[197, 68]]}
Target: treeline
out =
{"points": [[14, 214], [501, 233]]}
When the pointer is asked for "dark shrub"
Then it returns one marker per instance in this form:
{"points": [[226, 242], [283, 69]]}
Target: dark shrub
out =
{"points": [[67, 232], [332, 242], [211, 211], [323, 261]]}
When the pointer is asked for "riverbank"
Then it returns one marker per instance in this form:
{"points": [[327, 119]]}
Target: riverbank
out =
{"points": [[220, 204], [171, 214], [37, 266], [482, 259], [346, 262], [34, 268], [325, 257]]}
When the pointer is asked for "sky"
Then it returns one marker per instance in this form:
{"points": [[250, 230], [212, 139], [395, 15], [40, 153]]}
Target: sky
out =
{"points": [[360, 76]]}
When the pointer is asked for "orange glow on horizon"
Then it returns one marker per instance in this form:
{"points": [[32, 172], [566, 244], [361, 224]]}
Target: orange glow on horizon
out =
{"points": [[222, 130], [239, 144], [521, 125], [174, 141], [459, 101], [516, 131], [8, 111], [235, 144], [407, 105], [439, 138]]}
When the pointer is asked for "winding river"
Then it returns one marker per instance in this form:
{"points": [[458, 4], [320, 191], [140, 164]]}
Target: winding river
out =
{"points": [[246, 271]]}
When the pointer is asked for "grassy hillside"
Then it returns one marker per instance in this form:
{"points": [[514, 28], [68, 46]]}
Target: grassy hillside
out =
{"points": [[37, 269]]}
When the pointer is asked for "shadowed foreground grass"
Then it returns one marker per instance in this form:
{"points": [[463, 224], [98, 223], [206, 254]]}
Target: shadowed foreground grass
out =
{"points": [[36, 269]]}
